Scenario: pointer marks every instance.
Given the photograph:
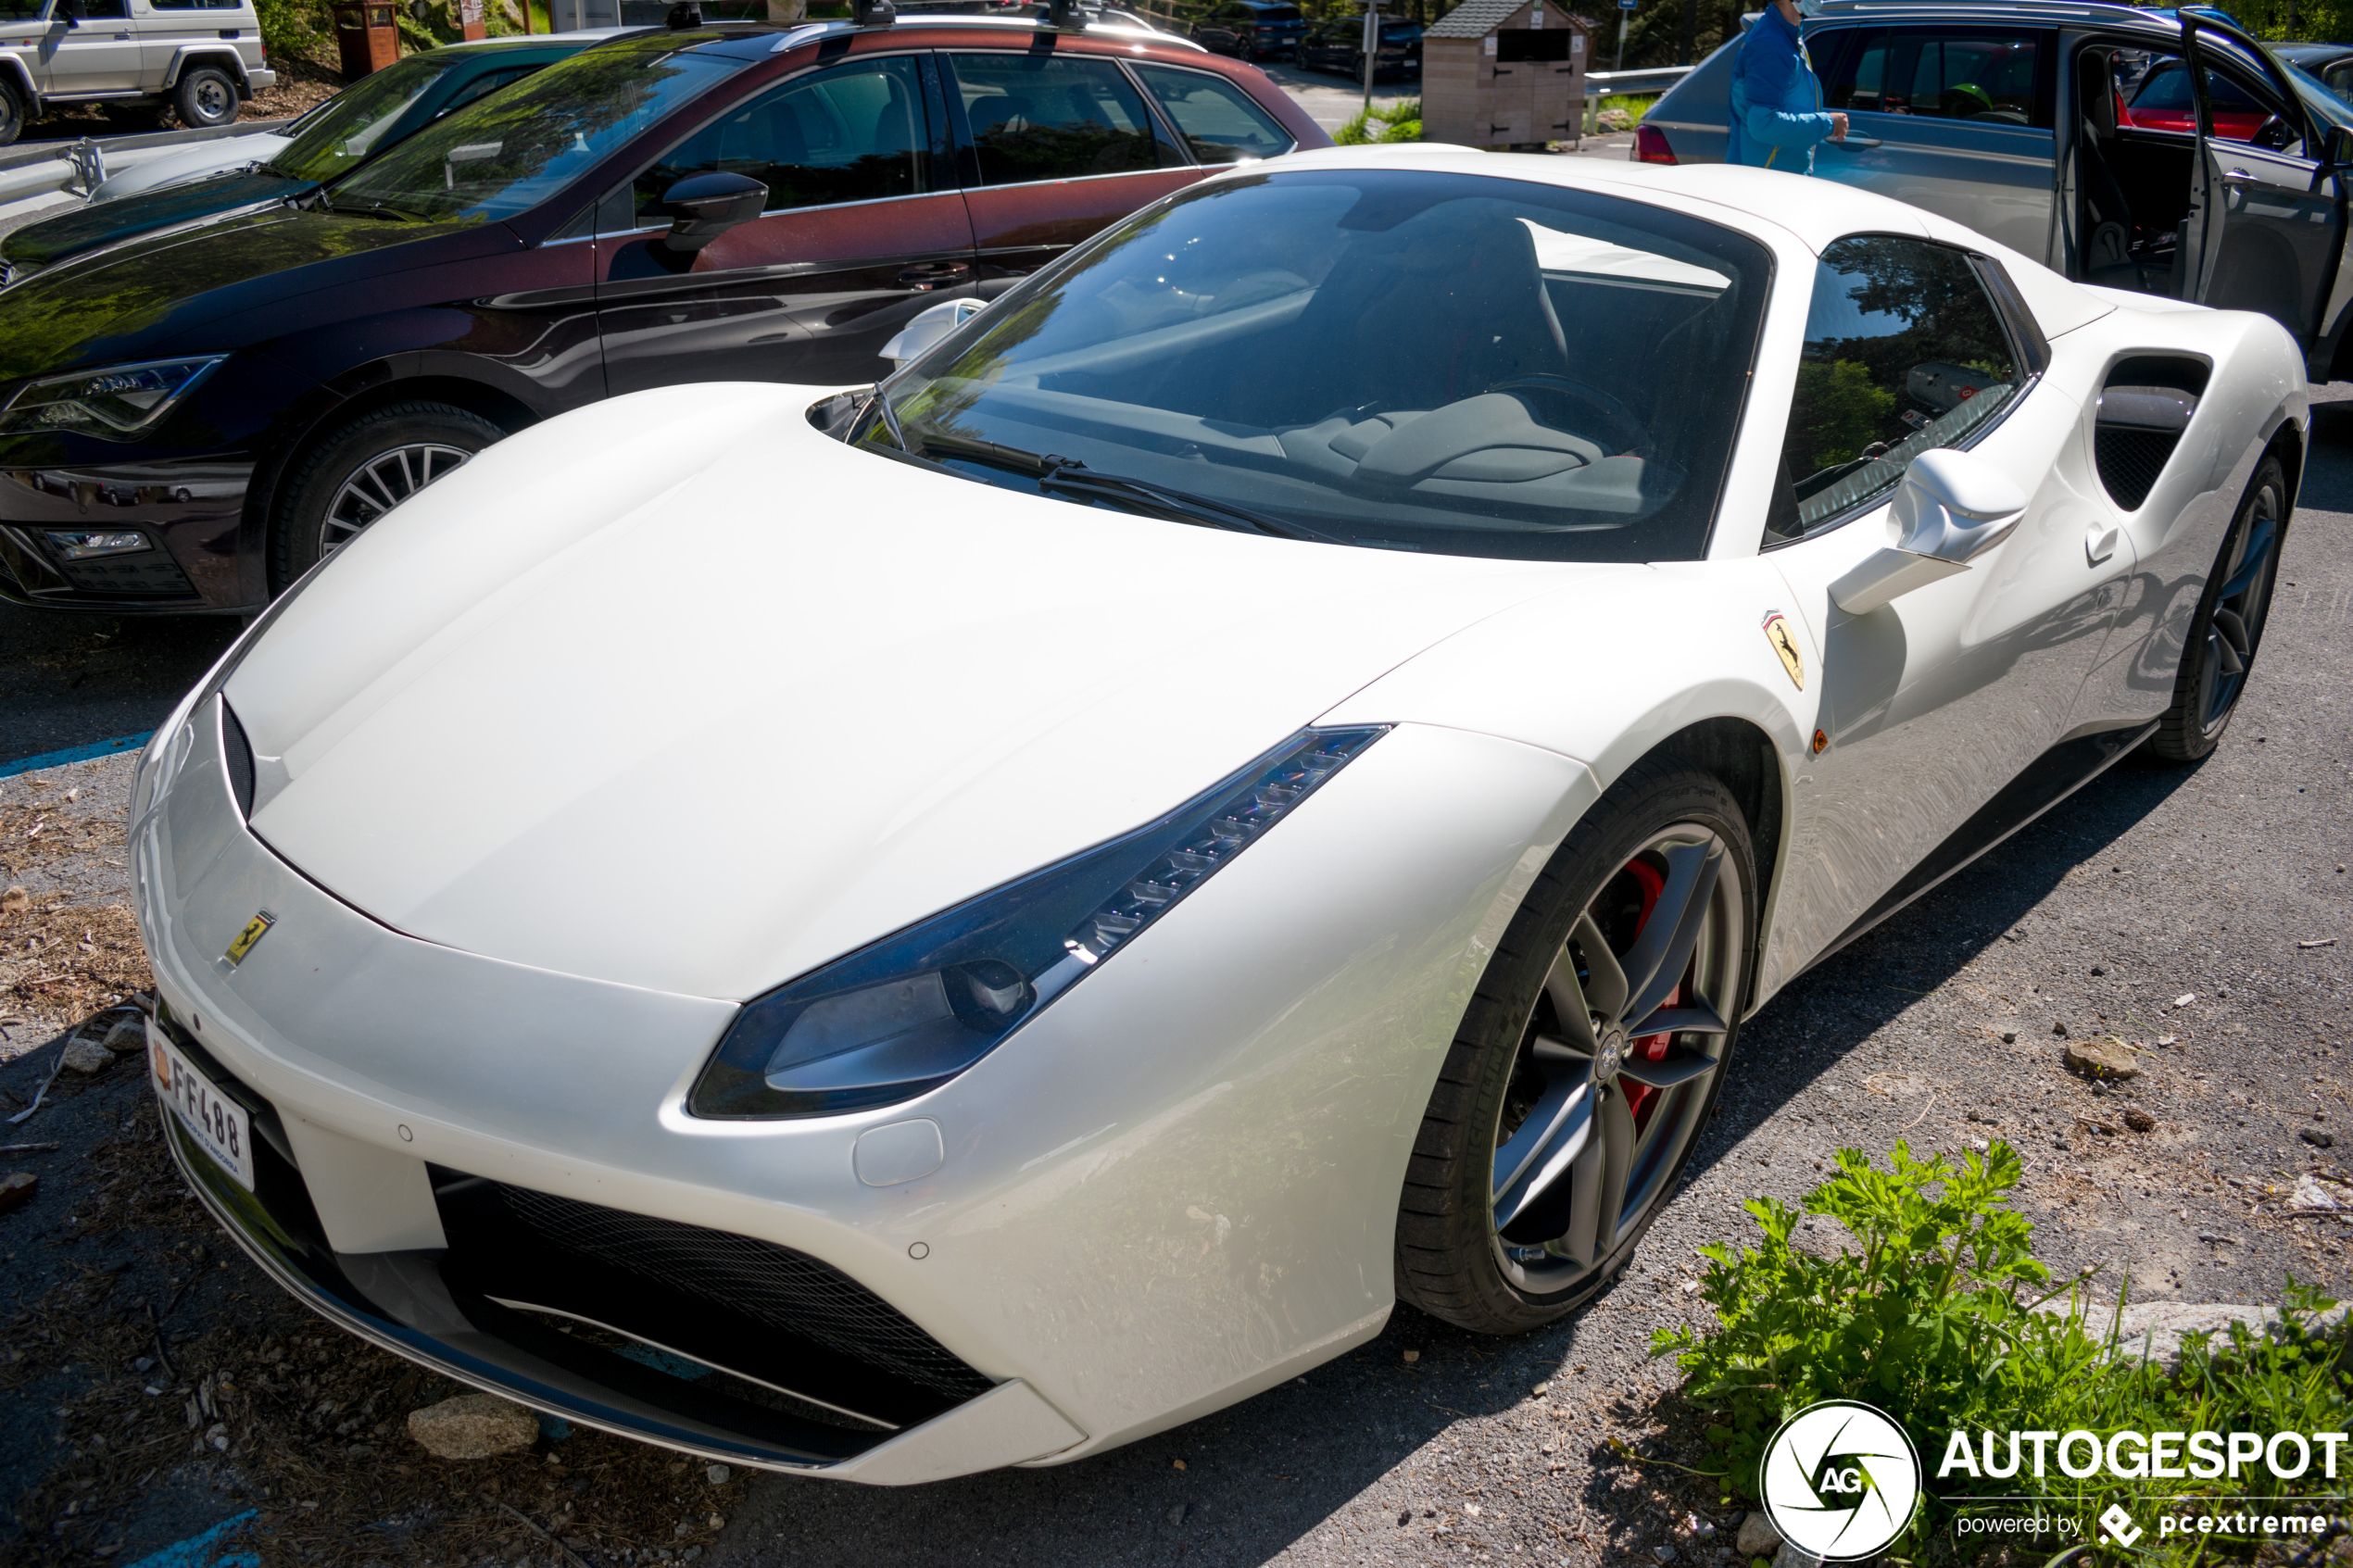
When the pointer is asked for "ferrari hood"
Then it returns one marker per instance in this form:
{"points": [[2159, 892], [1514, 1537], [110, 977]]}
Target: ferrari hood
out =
{"points": [[677, 691]]}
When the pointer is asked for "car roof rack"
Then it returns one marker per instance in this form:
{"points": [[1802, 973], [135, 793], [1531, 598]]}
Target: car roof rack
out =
{"points": [[922, 13]]}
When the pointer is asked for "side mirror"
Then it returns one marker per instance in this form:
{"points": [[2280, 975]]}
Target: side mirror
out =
{"points": [[928, 326], [2336, 148], [704, 206], [1952, 507]]}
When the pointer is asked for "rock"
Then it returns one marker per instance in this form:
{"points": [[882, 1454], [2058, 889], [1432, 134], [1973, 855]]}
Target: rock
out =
{"points": [[2060, 1030], [473, 1426], [2318, 1138], [716, 1474], [2102, 1059], [87, 1057], [1176, 1514], [2140, 1121], [2156, 1327], [16, 1189], [1791, 1557], [14, 901], [1662, 1553], [2009, 1036], [1757, 1537]]}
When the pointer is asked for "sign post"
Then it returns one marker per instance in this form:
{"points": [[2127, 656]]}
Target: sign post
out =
{"points": [[1625, 9], [1372, 49]]}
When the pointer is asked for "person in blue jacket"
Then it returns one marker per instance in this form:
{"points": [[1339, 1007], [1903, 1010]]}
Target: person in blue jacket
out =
{"points": [[1777, 100]]}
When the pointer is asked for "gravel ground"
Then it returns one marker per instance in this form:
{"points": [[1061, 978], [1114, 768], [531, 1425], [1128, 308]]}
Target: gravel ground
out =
{"points": [[2156, 884]]}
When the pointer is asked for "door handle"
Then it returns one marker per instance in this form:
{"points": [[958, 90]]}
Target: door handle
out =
{"points": [[936, 274], [2100, 541], [2241, 177]]}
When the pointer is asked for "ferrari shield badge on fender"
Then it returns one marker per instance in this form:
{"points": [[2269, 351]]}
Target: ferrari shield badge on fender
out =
{"points": [[1777, 633], [255, 930]]}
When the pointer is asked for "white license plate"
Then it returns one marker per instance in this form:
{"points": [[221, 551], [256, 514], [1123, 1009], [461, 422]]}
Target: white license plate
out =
{"points": [[217, 1123]]}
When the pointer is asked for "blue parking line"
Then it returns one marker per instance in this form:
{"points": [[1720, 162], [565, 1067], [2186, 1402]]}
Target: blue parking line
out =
{"points": [[75, 753], [202, 1550]]}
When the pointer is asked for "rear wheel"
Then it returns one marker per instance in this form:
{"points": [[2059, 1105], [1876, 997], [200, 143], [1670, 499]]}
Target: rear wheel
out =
{"points": [[2229, 626], [1588, 1061], [362, 469], [206, 96]]}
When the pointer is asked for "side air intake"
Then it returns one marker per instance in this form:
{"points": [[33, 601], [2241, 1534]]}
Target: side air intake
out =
{"points": [[2143, 411]]}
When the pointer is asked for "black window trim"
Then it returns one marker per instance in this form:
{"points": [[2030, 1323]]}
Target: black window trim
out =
{"points": [[2043, 117], [942, 169], [967, 149], [2029, 348], [1175, 133]]}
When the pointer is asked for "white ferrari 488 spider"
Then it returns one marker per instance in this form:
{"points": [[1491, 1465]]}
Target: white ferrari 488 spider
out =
{"points": [[888, 932]]}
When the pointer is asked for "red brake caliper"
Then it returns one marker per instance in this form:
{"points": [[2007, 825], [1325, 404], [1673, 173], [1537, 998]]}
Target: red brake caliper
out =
{"points": [[1651, 1047]]}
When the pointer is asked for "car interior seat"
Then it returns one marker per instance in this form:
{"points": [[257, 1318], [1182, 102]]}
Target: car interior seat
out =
{"points": [[2116, 252]]}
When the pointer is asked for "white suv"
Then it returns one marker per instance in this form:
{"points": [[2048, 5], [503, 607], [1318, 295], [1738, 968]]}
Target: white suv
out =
{"points": [[200, 57]]}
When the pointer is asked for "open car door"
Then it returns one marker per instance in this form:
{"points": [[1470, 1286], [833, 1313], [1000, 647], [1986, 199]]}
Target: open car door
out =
{"points": [[2267, 213]]}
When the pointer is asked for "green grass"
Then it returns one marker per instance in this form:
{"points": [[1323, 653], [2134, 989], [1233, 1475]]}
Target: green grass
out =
{"points": [[1935, 1321], [1400, 120]]}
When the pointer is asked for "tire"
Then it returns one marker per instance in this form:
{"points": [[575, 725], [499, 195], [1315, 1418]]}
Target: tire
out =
{"points": [[12, 113], [361, 470], [1665, 838], [2228, 630], [204, 96]]}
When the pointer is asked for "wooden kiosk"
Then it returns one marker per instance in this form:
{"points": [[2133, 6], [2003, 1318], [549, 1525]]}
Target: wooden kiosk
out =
{"points": [[1504, 73]]}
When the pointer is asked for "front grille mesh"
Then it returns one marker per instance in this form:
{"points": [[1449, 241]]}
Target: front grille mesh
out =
{"points": [[2131, 461], [769, 1284]]}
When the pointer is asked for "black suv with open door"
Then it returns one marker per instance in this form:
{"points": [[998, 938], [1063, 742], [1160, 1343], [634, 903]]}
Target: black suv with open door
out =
{"points": [[2162, 152]]}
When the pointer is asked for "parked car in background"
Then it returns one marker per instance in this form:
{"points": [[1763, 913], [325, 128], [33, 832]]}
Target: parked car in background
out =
{"points": [[199, 58], [1251, 29], [2069, 131], [1338, 43], [737, 202], [243, 172], [2329, 64], [366, 117]]}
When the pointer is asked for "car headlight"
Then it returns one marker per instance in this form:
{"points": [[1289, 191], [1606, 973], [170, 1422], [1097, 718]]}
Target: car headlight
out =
{"points": [[904, 1015], [117, 403]]}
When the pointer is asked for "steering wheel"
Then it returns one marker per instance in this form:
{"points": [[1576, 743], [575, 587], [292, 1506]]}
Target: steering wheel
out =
{"points": [[1621, 430]]}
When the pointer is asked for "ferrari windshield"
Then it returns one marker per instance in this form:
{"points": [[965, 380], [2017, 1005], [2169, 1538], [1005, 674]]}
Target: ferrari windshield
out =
{"points": [[512, 150], [1457, 363]]}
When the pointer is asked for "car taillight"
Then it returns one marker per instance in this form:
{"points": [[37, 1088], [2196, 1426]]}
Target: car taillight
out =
{"points": [[1649, 145]]}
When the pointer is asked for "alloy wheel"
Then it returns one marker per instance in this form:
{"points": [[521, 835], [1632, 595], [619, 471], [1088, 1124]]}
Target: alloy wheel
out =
{"points": [[1618, 1061], [2240, 608], [380, 484]]}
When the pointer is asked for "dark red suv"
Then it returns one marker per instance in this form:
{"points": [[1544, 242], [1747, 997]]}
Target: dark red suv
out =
{"points": [[189, 419]]}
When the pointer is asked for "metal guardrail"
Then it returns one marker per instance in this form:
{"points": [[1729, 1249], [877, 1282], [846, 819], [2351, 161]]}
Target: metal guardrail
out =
{"points": [[1605, 84], [33, 176]]}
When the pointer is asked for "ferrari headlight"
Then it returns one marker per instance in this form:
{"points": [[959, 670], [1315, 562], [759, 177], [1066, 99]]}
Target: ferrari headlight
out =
{"points": [[118, 403], [906, 1014]]}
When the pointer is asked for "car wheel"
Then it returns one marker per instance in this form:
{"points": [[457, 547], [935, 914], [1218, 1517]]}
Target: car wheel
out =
{"points": [[206, 96], [11, 114], [2229, 627], [1557, 1131], [362, 470]]}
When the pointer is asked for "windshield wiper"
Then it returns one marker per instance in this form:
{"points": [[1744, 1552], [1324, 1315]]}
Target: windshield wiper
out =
{"points": [[1069, 479], [1079, 483]]}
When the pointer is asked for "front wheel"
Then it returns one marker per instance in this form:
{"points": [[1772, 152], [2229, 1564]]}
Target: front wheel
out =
{"points": [[1588, 1059], [362, 469], [2228, 628], [204, 97], [12, 114]]}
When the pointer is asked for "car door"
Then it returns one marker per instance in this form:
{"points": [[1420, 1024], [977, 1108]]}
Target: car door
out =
{"points": [[91, 48], [861, 231], [2271, 213], [165, 26], [1953, 117], [1055, 146], [1933, 701]]}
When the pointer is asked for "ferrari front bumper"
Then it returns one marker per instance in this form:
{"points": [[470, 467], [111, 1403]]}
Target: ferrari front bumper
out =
{"points": [[1174, 1188]]}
